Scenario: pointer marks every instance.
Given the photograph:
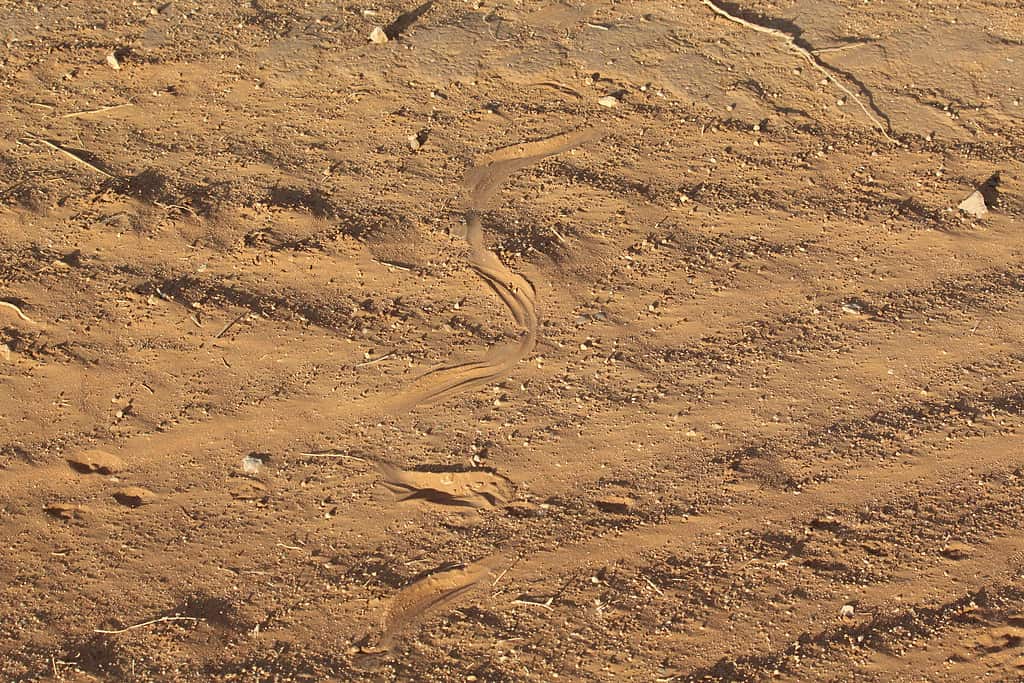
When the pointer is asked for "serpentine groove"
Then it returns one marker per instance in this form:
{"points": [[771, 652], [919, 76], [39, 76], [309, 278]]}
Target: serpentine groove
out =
{"points": [[518, 295]]}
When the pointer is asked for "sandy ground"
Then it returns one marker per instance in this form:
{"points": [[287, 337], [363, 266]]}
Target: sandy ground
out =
{"points": [[577, 341]]}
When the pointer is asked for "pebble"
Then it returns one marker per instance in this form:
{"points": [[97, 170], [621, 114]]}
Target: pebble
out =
{"points": [[617, 504], [253, 463], [134, 496], [954, 550], [609, 101], [378, 36]]}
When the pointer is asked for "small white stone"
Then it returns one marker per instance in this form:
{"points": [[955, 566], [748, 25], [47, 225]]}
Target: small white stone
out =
{"points": [[609, 101], [852, 308], [252, 464], [846, 611], [378, 36], [112, 62]]}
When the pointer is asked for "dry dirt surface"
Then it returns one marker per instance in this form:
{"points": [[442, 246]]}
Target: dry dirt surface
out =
{"points": [[523, 341]]}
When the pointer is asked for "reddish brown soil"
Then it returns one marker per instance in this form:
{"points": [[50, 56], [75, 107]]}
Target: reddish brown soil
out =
{"points": [[730, 390]]}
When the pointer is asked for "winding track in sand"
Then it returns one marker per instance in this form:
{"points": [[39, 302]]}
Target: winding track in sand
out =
{"points": [[518, 295]]}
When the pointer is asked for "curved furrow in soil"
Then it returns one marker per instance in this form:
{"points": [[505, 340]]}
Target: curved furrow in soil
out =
{"points": [[518, 295]]}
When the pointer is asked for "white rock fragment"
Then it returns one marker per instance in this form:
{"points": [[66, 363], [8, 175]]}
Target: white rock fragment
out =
{"points": [[378, 36], [853, 308], [609, 101], [252, 464], [417, 140], [974, 205], [112, 62], [846, 611]]}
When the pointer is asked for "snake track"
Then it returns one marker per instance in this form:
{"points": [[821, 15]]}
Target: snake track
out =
{"points": [[518, 295]]}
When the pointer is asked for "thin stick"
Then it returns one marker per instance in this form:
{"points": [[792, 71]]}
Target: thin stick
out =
{"points": [[811, 58], [146, 623], [7, 190], [378, 359], [179, 207], [546, 604], [333, 454], [504, 571], [86, 112], [654, 586], [561, 87], [391, 264], [500, 576], [21, 314], [71, 155], [231, 324], [551, 599], [556, 234]]}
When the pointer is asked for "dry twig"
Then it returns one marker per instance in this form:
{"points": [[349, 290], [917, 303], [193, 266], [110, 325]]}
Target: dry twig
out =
{"points": [[16, 309], [333, 454], [392, 264], [809, 56], [378, 359], [69, 154], [546, 604], [231, 324], [654, 586], [86, 112], [146, 623]]}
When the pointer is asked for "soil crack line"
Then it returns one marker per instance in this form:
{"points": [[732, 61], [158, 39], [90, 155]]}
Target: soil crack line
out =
{"points": [[811, 57]]}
